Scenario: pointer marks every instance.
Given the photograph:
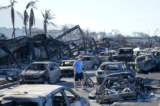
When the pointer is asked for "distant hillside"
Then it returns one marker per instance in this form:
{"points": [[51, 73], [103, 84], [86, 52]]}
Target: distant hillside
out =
{"points": [[5, 21]]}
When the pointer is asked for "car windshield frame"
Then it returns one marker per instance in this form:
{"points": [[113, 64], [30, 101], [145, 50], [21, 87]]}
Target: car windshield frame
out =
{"points": [[37, 66]]}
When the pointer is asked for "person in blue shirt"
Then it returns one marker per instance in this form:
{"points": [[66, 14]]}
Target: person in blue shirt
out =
{"points": [[78, 75]]}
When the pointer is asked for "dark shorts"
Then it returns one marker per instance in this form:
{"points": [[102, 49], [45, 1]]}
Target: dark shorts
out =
{"points": [[78, 76]]}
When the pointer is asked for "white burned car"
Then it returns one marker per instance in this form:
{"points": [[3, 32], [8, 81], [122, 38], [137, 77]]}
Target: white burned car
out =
{"points": [[41, 72], [42, 95], [66, 67]]}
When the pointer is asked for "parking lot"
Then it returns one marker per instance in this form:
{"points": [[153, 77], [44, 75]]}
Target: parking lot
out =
{"points": [[151, 78]]}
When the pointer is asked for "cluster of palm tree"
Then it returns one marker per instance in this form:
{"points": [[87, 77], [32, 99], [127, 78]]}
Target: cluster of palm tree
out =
{"points": [[29, 18]]}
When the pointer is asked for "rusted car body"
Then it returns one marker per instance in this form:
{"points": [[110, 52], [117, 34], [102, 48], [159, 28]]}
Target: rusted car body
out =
{"points": [[66, 67], [146, 62], [103, 57], [118, 86], [125, 54], [41, 72], [112, 67], [90, 62], [42, 95]]}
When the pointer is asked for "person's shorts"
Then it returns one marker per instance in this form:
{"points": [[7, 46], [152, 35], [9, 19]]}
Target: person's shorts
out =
{"points": [[78, 76]]}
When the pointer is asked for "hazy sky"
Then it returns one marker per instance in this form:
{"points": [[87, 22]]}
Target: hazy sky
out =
{"points": [[101, 15]]}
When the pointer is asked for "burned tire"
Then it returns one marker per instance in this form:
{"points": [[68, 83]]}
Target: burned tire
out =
{"points": [[46, 81]]}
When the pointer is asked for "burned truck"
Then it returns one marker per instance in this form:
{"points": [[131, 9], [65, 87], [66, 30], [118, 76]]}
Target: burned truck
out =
{"points": [[146, 62], [125, 54], [118, 86]]}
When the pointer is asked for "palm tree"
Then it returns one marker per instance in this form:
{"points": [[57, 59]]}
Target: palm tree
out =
{"points": [[12, 2], [25, 16], [31, 17], [47, 17]]}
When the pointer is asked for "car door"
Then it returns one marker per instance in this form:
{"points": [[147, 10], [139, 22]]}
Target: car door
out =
{"points": [[59, 99], [73, 99], [57, 72], [52, 73]]}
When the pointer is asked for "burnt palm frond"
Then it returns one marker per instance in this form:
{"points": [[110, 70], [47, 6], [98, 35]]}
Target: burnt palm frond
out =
{"points": [[20, 15], [5, 7], [52, 24], [47, 16], [29, 4]]}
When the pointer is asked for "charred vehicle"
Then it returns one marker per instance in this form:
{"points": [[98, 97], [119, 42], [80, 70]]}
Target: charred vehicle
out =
{"points": [[146, 62], [10, 74], [125, 54], [42, 95], [66, 67], [103, 57], [41, 72], [118, 86], [91, 62], [112, 67]]}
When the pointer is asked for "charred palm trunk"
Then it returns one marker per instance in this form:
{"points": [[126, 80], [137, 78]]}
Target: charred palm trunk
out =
{"points": [[12, 18], [26, 29], [45, 28]]}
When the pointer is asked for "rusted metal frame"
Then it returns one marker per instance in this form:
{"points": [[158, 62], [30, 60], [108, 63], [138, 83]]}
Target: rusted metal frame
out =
{"points": [[31, 47], [46, 49], [4, 48]]}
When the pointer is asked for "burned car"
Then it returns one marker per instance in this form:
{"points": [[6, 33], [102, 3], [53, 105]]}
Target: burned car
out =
{"points": [[112, 67], [103, 57], [118, 86], [41, 72], [10, 74], [66, 67], [42, 95], [91, 62], [146, 62], [125, 54]]}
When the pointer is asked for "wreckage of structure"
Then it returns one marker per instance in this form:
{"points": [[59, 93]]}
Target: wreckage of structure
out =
{"points": [[39, 47], [120, 87]]}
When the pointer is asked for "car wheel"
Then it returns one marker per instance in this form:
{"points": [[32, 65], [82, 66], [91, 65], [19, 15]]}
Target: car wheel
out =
{"points": [[46, 81]]}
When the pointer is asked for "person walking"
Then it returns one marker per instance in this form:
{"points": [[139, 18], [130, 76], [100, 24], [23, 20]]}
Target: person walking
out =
{"points": [[78, 75]]}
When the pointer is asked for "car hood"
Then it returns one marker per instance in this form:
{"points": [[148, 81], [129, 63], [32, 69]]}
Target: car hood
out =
{"points": [[33, 74], [66, 67]]}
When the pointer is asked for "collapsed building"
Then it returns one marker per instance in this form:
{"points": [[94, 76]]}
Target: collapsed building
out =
{"points": [[39, 47]]}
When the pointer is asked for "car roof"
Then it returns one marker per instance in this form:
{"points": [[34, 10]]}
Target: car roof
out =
{"points": [[143, 55], [45, 62], [117, 62], [67, 60], [34, 91], [125, 48]]}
